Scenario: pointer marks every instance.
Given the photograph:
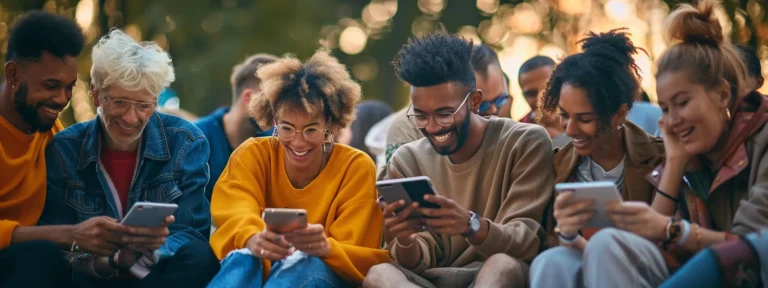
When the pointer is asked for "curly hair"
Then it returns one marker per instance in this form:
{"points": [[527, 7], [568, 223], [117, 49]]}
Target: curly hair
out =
{"points": [[321, 85], [701, 47], [434, 59], [39, 31], [605, 69]]}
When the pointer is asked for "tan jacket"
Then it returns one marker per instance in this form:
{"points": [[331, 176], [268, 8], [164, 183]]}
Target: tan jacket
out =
{"points": [[644, 152]]}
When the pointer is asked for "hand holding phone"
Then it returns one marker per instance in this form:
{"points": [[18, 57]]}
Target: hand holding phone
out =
{"points": [[399, 223], [148, 225], [410, 190]]}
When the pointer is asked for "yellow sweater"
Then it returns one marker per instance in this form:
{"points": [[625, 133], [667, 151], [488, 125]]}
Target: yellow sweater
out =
{"points": [[342, 198], [22, 177]]}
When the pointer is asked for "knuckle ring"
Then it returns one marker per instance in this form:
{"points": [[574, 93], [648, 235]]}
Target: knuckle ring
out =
{"points": [[261, 252]]}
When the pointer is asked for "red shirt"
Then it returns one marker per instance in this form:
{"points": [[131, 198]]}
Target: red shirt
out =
{"points": [[120, 167]]}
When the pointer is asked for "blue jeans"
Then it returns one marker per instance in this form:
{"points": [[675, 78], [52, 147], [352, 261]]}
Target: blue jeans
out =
{"points": [[241, 269]]}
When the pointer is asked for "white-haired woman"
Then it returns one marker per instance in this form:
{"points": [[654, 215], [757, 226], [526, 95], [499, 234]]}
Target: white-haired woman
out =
{"points": [[98, 170]]}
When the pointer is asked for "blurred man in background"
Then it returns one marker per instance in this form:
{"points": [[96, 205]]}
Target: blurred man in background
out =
{"points": [[533, 77], [492, 80], [228, 127]]}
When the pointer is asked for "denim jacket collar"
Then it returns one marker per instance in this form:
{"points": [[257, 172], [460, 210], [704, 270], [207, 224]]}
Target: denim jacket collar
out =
{"points": [[154, 145]]}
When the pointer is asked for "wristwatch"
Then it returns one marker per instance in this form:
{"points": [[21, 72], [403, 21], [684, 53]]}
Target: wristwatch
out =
{"points": [[474, 224]]}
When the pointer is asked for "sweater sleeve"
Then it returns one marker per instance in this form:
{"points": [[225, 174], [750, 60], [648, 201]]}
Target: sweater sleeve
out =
{"points": [[516, 230], [355, 250], [238, 198], [431, 249], [6, 232]]}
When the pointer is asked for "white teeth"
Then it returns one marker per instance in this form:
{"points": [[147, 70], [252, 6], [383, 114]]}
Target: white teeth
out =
{"points": [[52, 111], [579, 140], [300, 153], [442, 138], [686, 133]]}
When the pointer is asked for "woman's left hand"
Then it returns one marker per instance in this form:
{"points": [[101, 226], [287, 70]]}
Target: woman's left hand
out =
{"points": [[639, 218], [310, 240]]}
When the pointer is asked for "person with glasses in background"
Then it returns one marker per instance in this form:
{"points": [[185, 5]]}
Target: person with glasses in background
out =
{"points": [[97, 170], [492, 81], [300, 167], [490, 175]]}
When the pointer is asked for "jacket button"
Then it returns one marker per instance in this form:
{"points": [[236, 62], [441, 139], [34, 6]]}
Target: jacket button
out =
{"points": [[655, 174], [741, 163], [717, 179]]}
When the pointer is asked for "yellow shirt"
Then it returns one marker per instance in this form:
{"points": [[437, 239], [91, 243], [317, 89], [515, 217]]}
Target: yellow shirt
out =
{"points": [[342, 198], [22, 177]]}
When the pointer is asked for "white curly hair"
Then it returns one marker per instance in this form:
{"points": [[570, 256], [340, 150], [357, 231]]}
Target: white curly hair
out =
{"points": [[118, 60]]}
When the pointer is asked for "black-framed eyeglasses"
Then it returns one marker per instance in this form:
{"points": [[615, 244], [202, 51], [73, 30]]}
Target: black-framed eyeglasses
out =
{"points": [[286, 132], [121, 106], [498, 102], [443, 119]]}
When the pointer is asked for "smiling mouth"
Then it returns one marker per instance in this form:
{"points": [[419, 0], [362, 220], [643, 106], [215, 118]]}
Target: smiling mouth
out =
{"points": [[579, 140], [297, 153], [686, 133], [442, 138], [53, 112]]}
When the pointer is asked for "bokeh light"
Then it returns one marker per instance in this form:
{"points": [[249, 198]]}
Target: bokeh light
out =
{"points": [[352, 40]]}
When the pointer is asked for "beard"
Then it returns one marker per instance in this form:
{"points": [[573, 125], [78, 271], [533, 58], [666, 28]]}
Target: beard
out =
{"points": [[461, 132], [29, 112], [120, 145]]}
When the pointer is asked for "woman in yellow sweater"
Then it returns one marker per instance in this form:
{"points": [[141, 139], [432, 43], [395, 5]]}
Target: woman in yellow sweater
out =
{"points": [[299, 167]]}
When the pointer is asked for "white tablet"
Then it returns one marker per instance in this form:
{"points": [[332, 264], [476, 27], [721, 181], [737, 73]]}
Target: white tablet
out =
{"points": [[603, 192]]}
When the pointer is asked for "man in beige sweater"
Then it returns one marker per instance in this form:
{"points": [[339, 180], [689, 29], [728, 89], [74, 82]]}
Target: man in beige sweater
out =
{"points": [[494, 177]]}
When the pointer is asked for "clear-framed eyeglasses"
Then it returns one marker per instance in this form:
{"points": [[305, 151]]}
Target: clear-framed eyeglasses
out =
{"points": [[443, 119], [286, 132], [121, 106]]}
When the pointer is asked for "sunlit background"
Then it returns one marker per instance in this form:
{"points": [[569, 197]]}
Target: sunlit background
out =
{"points": [[207, 37]]}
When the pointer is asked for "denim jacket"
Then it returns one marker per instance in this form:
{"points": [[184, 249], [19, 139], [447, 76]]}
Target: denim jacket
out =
{"points": [[172, 168]]}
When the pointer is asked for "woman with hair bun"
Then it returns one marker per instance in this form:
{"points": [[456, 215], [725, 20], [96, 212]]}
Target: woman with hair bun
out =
{"points": [[592, 92], [299, 167], [713, 185]]}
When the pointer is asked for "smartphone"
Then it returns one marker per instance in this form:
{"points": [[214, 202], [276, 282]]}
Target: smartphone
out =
{"points": [[408, 189], [148, 214], [284, 220], [603, 192]]}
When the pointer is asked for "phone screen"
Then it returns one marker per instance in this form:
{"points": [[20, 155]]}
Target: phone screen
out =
{"points": [[416, 191]]}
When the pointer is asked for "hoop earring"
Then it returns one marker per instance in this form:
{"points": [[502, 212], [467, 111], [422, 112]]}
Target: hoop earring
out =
{"points": [[328, 141], [274, 134]]}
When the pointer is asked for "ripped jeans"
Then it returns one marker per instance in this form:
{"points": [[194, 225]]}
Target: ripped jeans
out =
{"points": [[241, 269]]}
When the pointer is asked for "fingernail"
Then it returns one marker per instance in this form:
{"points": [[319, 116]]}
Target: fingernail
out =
{"points": [[401, 202]]}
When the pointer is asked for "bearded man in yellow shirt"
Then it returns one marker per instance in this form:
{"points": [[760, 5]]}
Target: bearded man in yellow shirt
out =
{"points": [[40, 71]]}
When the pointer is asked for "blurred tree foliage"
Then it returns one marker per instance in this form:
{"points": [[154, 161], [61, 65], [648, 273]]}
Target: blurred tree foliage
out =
{"points": [[207, 37]]}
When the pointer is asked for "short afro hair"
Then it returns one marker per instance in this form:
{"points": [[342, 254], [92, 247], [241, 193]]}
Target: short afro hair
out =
{"points": [[320, 85], [535, 63], [434, 59], [483, 57], [39, 31], [606, 70]]}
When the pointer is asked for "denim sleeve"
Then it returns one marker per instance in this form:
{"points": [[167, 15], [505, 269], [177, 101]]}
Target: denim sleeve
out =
{"points": [[193, 218], [55, 211]]}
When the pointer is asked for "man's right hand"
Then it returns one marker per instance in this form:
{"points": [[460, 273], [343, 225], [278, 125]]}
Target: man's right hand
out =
{"points": [[99, 235], [269, 245], [397, 225]]}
